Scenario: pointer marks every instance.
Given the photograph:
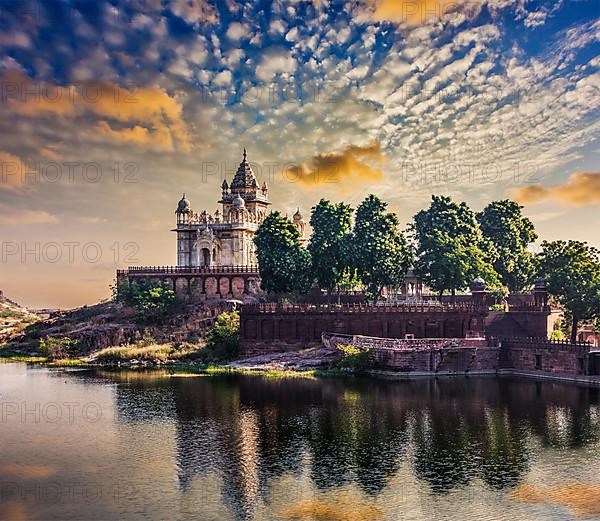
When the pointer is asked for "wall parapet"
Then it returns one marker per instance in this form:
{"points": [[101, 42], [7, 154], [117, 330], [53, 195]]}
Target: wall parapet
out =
{"points": [[275, 308], [541, 342], [183, 270]]}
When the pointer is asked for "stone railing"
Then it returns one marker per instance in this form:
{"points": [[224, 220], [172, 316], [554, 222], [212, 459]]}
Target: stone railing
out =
{"points": [[182, 270], [400, 344], [529, 306], [541, 342], [356, 308]]}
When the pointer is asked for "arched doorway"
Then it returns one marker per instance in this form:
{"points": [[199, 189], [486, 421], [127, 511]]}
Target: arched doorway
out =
{"points": [[205, 257]]}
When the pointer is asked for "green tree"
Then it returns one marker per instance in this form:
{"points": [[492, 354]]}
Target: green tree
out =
{"points": [[331, 226], [223, 340], [379, 250], [153, 301], [511, 233], [572, 273], [283, 262], [451, 250]]}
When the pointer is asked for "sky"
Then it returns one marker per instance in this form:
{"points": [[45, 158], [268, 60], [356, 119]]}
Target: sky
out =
{"points": [[110, 110]]}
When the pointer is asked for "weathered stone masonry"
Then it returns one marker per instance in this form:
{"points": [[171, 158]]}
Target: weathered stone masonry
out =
{"points": [[271, 327], [199, 284]]}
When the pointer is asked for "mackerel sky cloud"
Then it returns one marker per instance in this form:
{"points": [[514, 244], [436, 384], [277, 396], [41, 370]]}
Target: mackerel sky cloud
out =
{"points": [[478, 100]]}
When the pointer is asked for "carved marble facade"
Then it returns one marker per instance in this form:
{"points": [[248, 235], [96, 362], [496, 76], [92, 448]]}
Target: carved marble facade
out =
{"points": [[225, 237]]}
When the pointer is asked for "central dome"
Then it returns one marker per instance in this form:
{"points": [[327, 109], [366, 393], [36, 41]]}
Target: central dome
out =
{"points": [[238, 203], [183, 205]]}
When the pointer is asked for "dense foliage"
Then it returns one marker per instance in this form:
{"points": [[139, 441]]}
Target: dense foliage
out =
{"points": [[328, 246], [572, 273], [354, 358], [379, 250], [451, 249], [58, 348], [152, 301], [223, 340], [511, 233], [283, 262]]}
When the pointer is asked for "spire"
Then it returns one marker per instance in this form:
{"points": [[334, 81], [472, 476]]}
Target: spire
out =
{"points": [[244, 177]]}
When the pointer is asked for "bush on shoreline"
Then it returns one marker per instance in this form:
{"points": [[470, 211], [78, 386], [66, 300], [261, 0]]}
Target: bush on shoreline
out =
{"points": [[59, 348], [223, 340], [354, 358]]}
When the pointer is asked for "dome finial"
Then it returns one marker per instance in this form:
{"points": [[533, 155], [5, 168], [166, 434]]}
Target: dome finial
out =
{"points": [[244, 153]]}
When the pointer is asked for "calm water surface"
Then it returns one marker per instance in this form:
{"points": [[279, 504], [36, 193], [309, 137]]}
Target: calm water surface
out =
{"points": [[127, 445]]}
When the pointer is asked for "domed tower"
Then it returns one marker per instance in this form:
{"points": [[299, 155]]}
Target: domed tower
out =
{"points": [[184, 209], [226, 237], [299, 223], [185, 233]]}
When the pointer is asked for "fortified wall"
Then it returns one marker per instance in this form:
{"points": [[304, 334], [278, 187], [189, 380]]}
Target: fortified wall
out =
{"points": [[509, 356], [271, 327]]}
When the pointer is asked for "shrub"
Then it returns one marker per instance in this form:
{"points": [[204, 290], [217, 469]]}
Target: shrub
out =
{"points": [[152, 301], [223, 340], [56, 348], [354, 358]]}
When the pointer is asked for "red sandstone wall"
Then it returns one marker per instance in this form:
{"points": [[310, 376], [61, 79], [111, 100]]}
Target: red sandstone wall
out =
{"points": [[545, 356], [269, 328]]}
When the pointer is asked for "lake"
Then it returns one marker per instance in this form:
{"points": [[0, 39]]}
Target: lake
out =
{"points": [[96, 444]]}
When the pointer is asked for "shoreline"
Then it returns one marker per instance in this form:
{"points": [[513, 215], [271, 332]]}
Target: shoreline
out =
{"points": [[229, 368]]}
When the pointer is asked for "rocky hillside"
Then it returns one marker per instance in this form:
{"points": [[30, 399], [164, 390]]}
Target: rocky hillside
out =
{"points": [[106, 325], [13, 318]]}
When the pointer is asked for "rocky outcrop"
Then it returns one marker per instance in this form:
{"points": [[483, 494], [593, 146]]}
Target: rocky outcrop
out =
{"points": [[13, 318], [107, 325]]}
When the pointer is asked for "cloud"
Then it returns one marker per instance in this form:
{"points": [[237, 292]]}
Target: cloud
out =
{"points": [[194, 11], [237, 31], [419, 12], [12, 172], [274, 62], [157, 138], [151, 110], [348, 167], [581, 189], [11, 217]]}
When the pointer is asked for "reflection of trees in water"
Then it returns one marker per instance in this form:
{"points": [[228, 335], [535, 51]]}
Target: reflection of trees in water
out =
{"points": [[355, 443], [251, 430], [504, 454], [445, 449]]}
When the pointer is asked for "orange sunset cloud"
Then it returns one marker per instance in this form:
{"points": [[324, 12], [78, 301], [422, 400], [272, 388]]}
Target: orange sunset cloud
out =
{"points": [[581, 189], [417, 12], [11, 171], [353, 164], [155, 116]]}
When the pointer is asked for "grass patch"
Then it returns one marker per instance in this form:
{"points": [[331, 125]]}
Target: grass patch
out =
{"points": [[220, 370], [9, 313], [69, 362], [142, 352]]}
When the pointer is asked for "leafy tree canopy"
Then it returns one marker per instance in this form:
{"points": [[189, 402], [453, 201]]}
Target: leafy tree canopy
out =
{"points": [[572, 273], [511, 233], [451, 250], [328, 246], [380, 252], [283, 263]]}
